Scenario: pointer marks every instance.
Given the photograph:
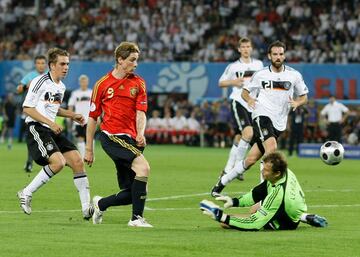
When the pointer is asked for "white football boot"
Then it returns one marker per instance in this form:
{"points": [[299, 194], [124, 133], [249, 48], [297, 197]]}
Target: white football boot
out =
{"points": [[25, 202], [97, 216], [139, 222]]}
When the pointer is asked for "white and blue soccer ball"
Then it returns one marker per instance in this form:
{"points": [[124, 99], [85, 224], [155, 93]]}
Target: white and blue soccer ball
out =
{"points": [[332, 152]]}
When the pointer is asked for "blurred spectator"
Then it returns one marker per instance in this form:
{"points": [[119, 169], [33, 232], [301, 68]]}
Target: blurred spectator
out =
{"points": [[167, 126], [223, 119], [194, 130], [297, 121], [314, 31], [179, 126], [351, 127], [9, 116], [208, 122], [311, 122], [335, 114], [154, 128]]}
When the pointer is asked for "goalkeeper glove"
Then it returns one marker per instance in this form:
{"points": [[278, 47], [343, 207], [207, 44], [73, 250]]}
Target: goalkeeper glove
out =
{"points": [[212, 210], [228, 201]]}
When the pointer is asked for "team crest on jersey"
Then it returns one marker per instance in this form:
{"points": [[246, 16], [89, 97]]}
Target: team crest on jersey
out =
{"points": [[265, 131], [49, 146], [121, 87], [133, 91]]}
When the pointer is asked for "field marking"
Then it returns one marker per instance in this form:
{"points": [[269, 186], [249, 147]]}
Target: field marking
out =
{"points": [[173, 209], [165, 198], [239, 192]]}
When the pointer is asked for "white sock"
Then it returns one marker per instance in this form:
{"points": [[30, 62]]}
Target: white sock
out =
{"points": [[261, 168], [237, 170], [40, 179], [303, 217], [82, 185], [81, 148], [232, 158], [242, 149]]}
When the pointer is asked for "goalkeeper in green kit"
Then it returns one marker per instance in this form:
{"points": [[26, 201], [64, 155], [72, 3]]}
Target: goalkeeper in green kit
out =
{"points": [[282, 201]]}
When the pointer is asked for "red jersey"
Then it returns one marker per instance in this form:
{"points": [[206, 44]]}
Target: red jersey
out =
{"points": [[118, 100]]}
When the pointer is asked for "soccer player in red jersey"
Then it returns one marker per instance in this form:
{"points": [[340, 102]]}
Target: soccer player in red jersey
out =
{"points": [[120, 97]]}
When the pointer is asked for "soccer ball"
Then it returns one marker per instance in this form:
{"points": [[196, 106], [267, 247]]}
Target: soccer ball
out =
{"points": [[332, 152]]}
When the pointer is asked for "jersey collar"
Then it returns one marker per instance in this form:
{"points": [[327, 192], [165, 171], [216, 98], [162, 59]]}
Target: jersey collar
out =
{"points": [[251, 60], [50, 76], [272, 71]]}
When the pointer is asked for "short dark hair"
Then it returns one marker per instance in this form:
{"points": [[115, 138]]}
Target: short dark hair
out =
{"points": [[276, 43], [278, 162], [39, 57], [53, 54], [125, 49]]}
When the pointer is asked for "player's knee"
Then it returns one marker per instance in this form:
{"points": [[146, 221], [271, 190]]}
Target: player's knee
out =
{"points": [[57, 163], [142, 170], [78, 164], [146, 169], [248, 134], [250, 161]]}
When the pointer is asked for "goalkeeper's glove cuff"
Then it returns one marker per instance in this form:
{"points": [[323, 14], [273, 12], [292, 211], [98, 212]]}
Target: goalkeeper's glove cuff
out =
{"points": [[225, 219], [220, 216], [236, 202]]}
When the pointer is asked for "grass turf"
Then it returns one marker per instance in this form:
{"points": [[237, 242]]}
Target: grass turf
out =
{"points": [[180, 178]]}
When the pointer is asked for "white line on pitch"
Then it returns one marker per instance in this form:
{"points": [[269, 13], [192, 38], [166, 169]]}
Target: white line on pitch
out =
{"points": [[234, 193], [203, 194], [174, 209]]}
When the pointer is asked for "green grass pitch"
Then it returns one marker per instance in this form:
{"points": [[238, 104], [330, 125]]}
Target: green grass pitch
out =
{"points": [[180, 178]]}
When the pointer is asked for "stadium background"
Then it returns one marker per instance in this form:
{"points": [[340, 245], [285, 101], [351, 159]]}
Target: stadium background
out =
{"points": [[186, 44]]}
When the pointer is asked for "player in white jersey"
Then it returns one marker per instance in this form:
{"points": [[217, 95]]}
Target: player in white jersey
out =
{"points": [[79, 102], [47, 145], [40, 68], [237, 75], [276, 86]]}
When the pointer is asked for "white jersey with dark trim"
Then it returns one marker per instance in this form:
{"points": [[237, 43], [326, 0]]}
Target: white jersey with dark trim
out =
{"points": [[45, 96], [241, 69], [80, 100], [275, 89]]}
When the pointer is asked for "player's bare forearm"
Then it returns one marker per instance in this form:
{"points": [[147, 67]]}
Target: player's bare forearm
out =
{"points": [[65, 113], [247, 98], [21, 88], [140, 122], [231, 82], [302, 100], [33, 113], [140, 128], [90, 132], [72, 115]]}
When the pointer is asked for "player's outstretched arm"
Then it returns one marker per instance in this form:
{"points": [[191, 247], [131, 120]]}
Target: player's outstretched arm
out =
{"points": [[212, 210]]}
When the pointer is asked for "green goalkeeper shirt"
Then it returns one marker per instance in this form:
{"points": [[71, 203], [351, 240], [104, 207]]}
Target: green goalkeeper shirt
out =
{"points": [[281, 205]]}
